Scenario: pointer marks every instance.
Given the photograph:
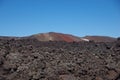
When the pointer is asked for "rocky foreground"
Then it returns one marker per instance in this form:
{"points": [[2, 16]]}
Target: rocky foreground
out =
{"points": [[30, 59]]}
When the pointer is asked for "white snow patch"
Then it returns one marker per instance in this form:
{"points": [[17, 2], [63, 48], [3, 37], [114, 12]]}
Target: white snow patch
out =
{"points": [[84, 39]]}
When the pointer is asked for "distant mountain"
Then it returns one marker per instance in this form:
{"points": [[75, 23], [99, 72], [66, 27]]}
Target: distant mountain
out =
{"points": [[54, 36]]}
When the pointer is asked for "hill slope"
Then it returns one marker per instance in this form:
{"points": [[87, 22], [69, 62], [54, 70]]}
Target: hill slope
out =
{"points": [[52, 36]]}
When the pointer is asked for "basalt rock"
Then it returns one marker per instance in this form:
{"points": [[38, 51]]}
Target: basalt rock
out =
{"points": [[30, 59]]}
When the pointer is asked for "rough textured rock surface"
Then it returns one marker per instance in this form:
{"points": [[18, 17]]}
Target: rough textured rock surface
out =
{"points": [[29, 59]]}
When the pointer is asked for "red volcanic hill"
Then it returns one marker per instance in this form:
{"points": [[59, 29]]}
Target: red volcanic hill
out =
{"points": [[53, 36]]}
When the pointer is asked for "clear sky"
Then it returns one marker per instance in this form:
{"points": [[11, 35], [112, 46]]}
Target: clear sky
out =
{"points": [[77, 17]]}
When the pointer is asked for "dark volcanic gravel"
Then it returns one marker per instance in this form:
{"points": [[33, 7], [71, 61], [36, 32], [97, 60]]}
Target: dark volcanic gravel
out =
{"points": [[29, 59]]}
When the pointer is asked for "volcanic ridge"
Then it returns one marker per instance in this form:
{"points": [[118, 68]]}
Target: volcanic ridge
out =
{"points": [[54, 36]]}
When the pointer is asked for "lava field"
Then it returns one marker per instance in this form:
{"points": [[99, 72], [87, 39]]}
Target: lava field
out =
{"points": [[30, 59]]}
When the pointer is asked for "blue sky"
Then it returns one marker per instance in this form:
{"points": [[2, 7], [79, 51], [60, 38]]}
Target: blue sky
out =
{"points": [[77, 17]]}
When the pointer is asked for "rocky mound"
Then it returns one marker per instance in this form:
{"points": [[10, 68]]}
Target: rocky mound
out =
{"points": [[30, 59], [53, 36]]}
